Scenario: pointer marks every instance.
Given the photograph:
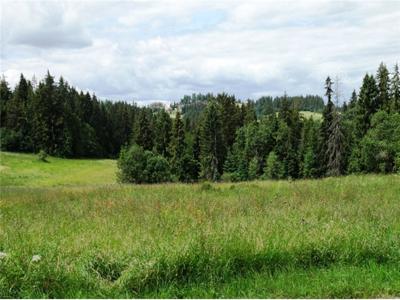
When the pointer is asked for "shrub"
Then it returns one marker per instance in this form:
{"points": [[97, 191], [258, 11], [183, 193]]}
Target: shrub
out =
{"points": [[131, 165], [138, 166], [157, 169], [42, 156]]}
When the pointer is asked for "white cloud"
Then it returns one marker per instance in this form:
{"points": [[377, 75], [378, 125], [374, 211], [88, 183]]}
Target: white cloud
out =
{"points": [[146, 50]]}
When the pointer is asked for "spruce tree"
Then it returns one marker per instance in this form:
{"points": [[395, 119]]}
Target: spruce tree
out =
{"points": [[230, 118], [368, 102], [212, 147], [5, 97], [336, 147], [383, 84], [143, 134], [353, 99], [163, 128], [395, 89], [178, 145], [326, 125]]}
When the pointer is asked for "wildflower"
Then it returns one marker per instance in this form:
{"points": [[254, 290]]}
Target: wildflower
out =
{"points": [[3, 255], [36, 258]]}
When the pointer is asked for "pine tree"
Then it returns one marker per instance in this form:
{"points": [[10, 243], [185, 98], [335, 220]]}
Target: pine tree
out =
{"points": [[212, 147]]}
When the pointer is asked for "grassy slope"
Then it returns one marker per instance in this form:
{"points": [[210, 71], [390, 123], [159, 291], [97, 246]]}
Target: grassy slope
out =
{"points": [[27, 170], [309, 114], [337, 237]]}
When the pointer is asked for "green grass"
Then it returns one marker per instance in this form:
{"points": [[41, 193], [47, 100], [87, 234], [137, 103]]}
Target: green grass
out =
{"points": [[28, 170], [309, 114], [336, 237]]}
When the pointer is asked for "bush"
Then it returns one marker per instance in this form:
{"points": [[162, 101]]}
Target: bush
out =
{"points": [[138, 166], [42, 156], [157, 169], [131, 165]]}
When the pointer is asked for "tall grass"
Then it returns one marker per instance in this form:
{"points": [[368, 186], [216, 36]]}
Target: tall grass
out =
{"points": [[337, 237]]}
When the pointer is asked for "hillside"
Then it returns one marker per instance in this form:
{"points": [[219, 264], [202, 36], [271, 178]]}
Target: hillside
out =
{"points": [[18, 169]]}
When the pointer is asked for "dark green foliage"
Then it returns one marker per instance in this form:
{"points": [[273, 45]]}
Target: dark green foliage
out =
{"points": [[353, 99], [189, 168], [325, 130], [380, 147], [137, 165], [178, 145], [336, 147], [143, 132], [192, 108], [211, 143], [157, 168], [163, 128], [230, 117], [248, 113], [132, 164], [267, 105], [368, 103], [383, 84], [309, 149], [395, 89], [5, 96]]}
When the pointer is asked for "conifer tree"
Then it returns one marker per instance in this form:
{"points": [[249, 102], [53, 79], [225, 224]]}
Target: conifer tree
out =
{"points": [[143, 135], [212, 147], [163, 128], [335, 147], [383, 84], [353, 99], [230, 118], [178, 145], [368, 102], [5, 97], [395, 89], [327, 119], [248, 113]]}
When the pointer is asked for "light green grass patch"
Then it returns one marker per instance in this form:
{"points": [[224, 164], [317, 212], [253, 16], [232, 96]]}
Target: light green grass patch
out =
{"points": [[27, 170]]}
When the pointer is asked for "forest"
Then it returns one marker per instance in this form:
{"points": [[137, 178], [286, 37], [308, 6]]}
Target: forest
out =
{"points": [[211, 137]]}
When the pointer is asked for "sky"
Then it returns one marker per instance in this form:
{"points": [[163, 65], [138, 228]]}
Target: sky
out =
{"points": [[147, 51]]}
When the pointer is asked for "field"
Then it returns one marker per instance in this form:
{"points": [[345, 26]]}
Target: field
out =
{"points": [[68, 230]]}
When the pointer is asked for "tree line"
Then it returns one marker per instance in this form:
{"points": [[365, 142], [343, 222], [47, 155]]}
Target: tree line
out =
{"points": [[210, 136], [59, 120]]}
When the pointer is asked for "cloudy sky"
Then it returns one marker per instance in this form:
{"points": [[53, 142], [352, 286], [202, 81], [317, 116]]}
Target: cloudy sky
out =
{"points": [[162, 50]]}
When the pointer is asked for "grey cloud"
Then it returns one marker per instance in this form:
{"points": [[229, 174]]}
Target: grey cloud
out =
{"points": [[52, 38]]}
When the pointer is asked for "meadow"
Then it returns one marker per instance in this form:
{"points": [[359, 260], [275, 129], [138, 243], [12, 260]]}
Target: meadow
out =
{"points": [[67, 229]]}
